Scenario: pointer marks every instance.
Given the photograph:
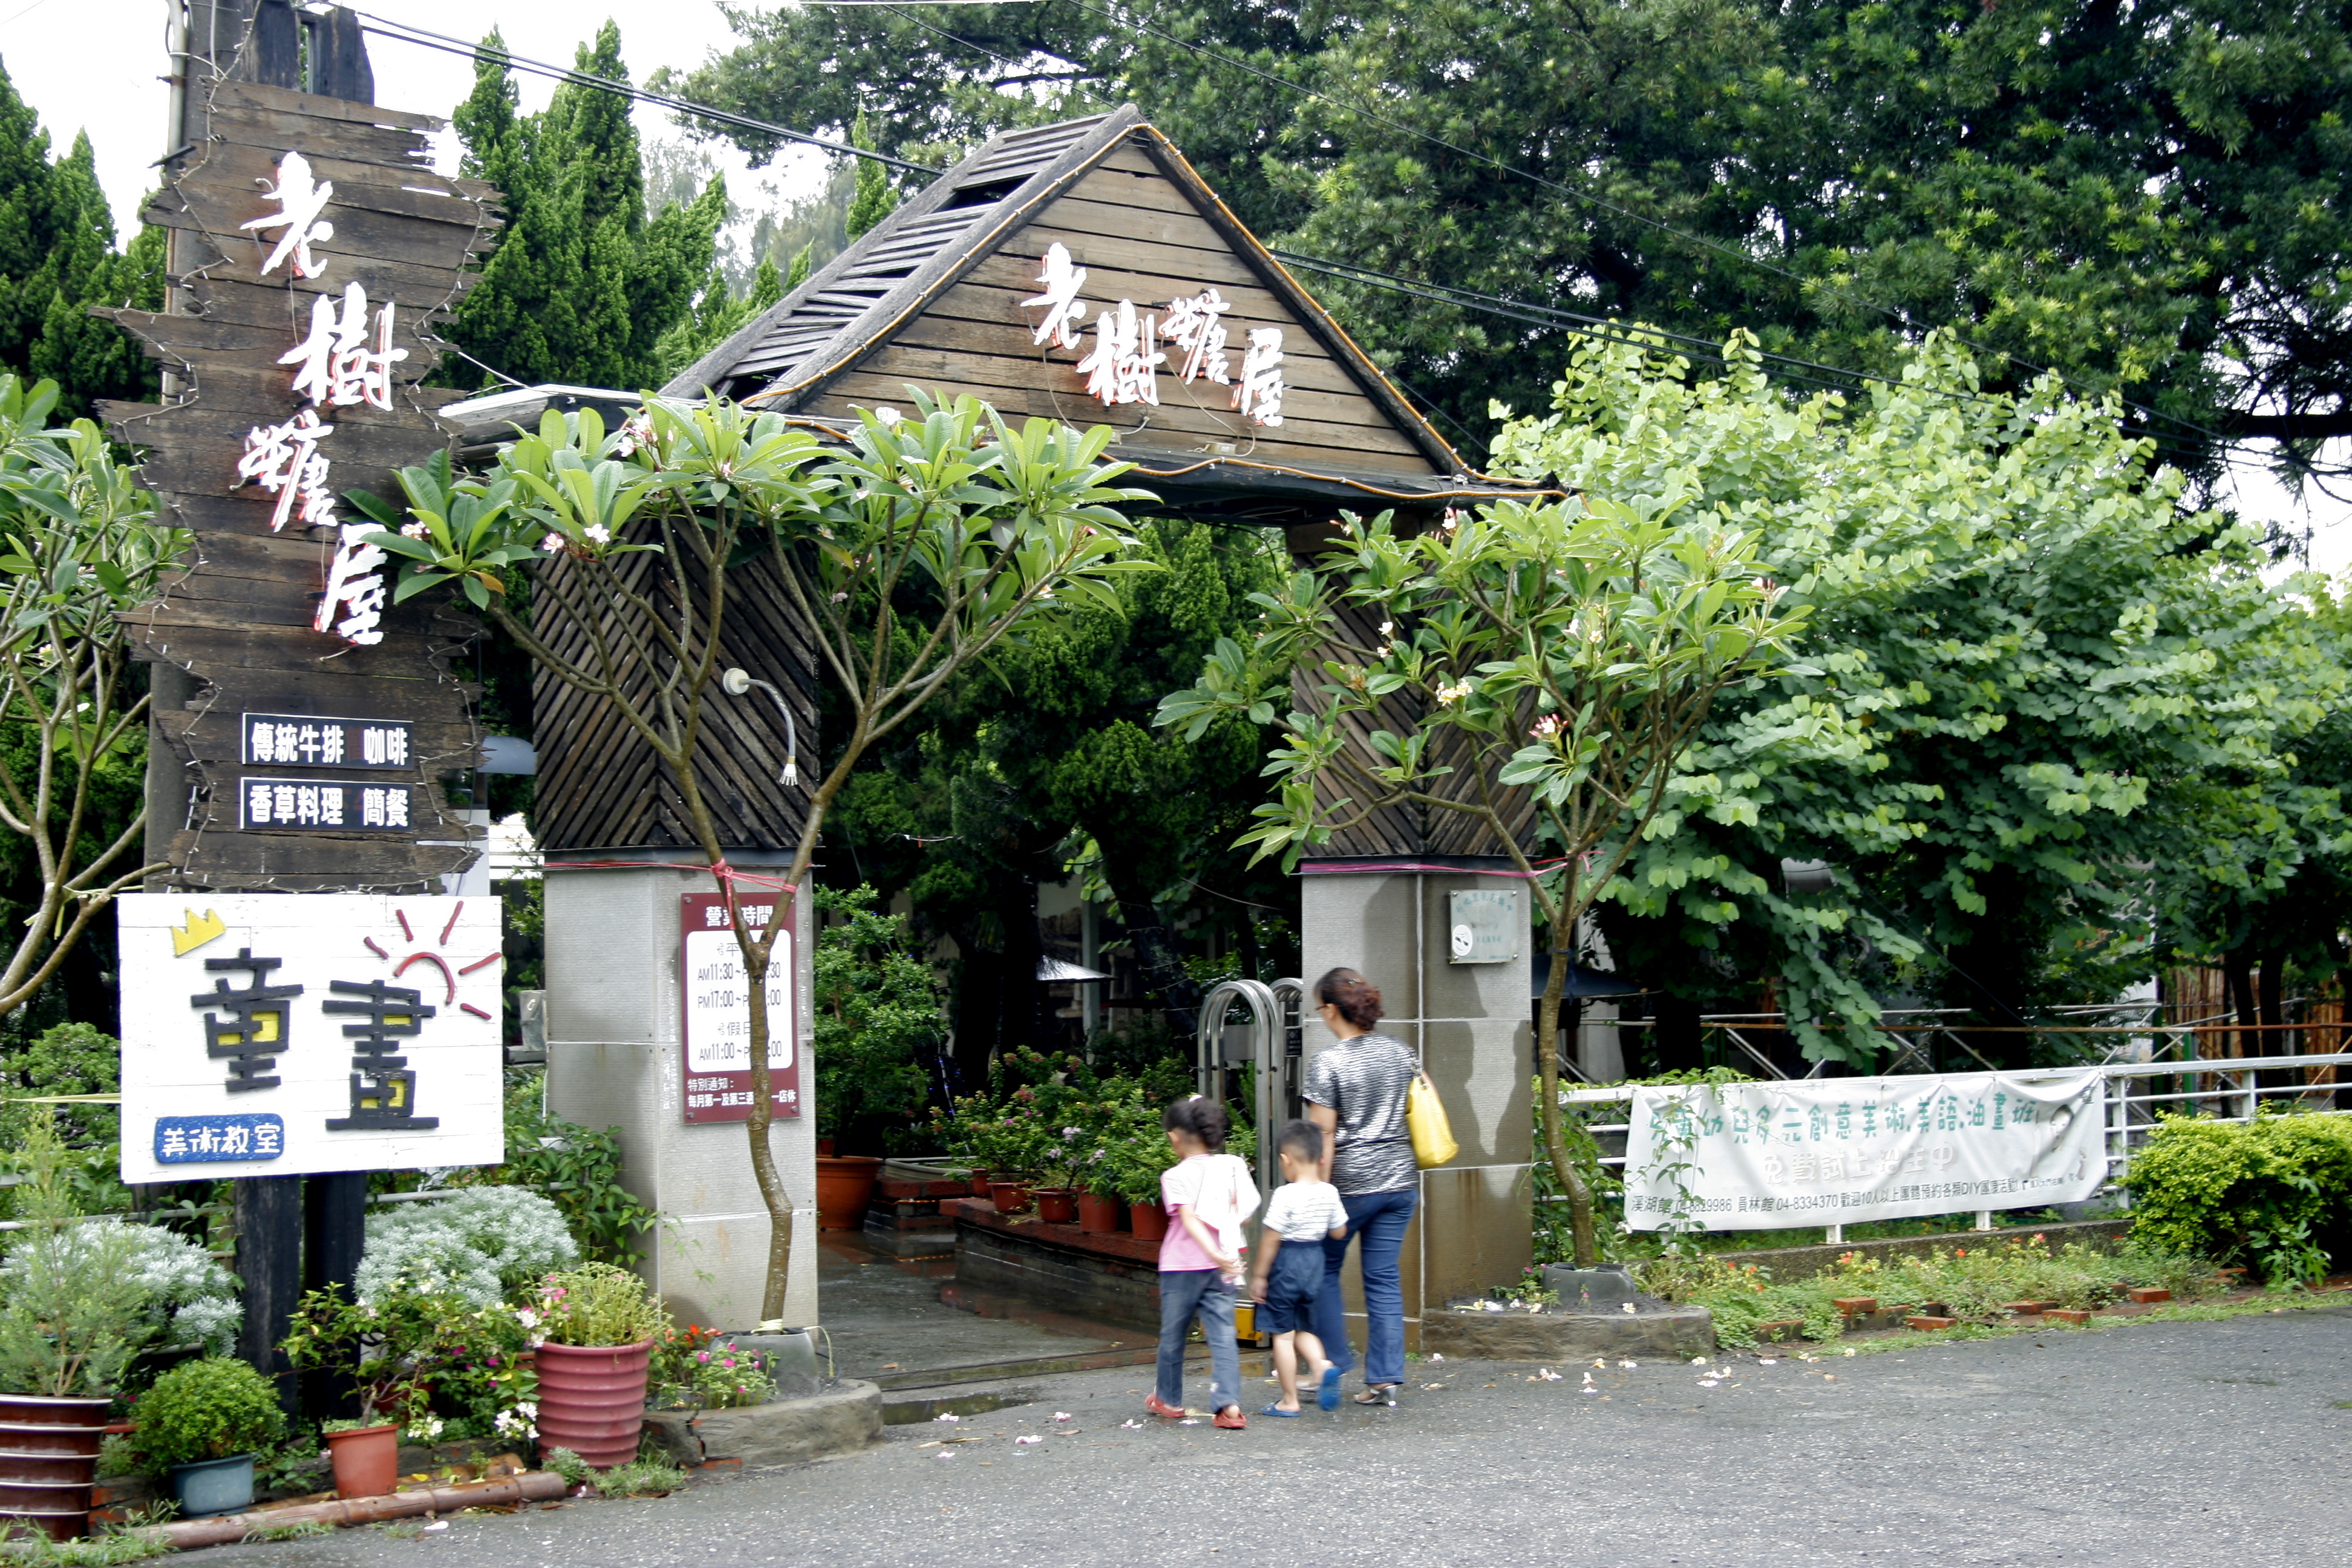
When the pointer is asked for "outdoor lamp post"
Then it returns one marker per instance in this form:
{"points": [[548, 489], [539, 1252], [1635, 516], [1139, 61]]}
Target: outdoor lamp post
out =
{"points": [[735, 683]]}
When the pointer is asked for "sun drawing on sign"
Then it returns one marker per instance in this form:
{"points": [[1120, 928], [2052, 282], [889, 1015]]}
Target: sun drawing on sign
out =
{"points": [[422, 956]]}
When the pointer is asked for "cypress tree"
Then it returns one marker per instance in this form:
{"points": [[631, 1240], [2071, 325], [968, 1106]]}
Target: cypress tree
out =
{"points": [[875, 199], [57, 260], [581, 288]]}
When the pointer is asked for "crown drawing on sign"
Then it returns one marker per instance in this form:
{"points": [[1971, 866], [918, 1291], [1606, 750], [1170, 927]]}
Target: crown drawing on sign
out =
{"points": [[199, 930]]}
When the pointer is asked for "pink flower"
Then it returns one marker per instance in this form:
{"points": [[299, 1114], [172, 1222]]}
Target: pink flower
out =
{"points": [[702, 1356]]}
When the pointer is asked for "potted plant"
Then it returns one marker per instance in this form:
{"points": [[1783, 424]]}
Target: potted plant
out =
{"points": [[1138, 1160], [1058, 1162], [201, 1424], [72, 1315], [600, 1324], [1101, 1210], [390, 1347]]}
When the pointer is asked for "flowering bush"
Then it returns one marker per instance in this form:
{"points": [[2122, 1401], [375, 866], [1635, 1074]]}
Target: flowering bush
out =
{"points": [[481, 1244], [695, 1368], [432, 1361]]}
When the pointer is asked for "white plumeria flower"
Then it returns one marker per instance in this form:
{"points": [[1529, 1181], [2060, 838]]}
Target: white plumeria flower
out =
{"points": [[416, 530], [947, 1418], [598, 533], [552, 544], [1064, 1416], [888, 414], [1018, 1441], [1629, 1365]]}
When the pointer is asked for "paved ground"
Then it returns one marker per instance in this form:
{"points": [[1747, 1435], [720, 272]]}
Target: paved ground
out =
{"points": [[884, 1314], [2161, 1444]]}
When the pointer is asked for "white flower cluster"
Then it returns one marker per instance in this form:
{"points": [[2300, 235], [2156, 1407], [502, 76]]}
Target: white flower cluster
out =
{"points": [[190, 1298], [522, 1421], [480, 1243]]}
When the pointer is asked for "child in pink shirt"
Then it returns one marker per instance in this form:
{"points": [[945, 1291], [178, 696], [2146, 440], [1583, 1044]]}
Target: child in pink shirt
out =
{"points": [[1209, 1195]]}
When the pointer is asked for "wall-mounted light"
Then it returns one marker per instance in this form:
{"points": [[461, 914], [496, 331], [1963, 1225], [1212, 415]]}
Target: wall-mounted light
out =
{"points": [[735, 683]]}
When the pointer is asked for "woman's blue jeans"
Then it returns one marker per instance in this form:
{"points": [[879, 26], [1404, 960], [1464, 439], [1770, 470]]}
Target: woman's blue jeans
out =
{"points": [[1182, 1293], [1378, 1220]]}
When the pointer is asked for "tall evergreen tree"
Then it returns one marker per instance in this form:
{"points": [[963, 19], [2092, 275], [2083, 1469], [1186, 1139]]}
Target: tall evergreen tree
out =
{"points": [[57, 260], [582, 288], [874, 200]]}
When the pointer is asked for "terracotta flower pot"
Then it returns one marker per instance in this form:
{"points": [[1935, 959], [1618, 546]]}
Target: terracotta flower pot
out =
{"points": [[591, 1400], [845, 1185], [824, 1148], [1010, 1198], [48, 1461], [1099, 1215], [366, 1460], [1058, 1205], [979, 1183], [1149, 1221]]}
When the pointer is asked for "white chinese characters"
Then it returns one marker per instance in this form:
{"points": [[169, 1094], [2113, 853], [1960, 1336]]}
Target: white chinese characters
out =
{"points": [[285, 460], [1123, 364], [352, 604], [300, 200], [340, 366], [1065, 313]]}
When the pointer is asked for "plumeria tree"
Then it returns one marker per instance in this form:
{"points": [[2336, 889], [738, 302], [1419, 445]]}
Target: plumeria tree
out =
{"points": [[908, 549], [1537, 669], [80, 544]]}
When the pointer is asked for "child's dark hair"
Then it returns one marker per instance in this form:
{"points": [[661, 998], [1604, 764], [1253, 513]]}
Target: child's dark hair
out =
{"points": [[1202, 1117], [1358, 999], [1303, 1138]]}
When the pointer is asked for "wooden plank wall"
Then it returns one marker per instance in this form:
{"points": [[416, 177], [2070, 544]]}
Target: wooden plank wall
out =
{"points": [[1139, 237], [601, 787], [238, 617]]}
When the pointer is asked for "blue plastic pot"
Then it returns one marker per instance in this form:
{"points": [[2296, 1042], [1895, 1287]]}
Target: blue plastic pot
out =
{"points": [[212, 1485]]}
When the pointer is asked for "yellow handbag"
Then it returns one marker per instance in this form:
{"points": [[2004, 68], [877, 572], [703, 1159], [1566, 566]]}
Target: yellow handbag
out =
{"points": [[1425, 1118]]}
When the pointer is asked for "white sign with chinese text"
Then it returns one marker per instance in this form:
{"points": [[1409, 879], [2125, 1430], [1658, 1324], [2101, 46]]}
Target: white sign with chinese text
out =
{"points": [[716, 994], [1762, 1157], [280, 1034]]}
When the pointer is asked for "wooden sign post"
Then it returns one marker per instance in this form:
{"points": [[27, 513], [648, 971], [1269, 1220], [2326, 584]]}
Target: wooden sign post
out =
{"points": [[300, 721]]}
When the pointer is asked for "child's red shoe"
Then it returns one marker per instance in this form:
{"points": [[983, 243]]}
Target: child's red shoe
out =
{"points": [[1231, 1419], [1157, 1406]]}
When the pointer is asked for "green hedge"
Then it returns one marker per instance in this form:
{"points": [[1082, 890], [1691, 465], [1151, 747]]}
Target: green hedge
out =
{"points": [[2275, 1194]]}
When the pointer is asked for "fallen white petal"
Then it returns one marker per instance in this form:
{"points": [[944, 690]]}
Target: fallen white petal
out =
{"points": [[1020, 1440], [947, 1418], [1064, 1416]]}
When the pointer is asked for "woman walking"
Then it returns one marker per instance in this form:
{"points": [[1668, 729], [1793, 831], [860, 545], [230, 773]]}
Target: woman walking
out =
{"points": [[1356, 1093]]}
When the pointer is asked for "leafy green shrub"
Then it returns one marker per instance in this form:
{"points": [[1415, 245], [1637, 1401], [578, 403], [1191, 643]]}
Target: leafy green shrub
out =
{"points": [[207, 1409], [1974, 1284], [575, 1168], [597, 1304], [482, 1244], [65, 1058], [877, 1014], [695, 1368], [2273, 1192], [73, 1311]]}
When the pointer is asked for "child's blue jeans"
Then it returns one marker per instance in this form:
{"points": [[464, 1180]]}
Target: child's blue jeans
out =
{"points": [[1184, 1293]]}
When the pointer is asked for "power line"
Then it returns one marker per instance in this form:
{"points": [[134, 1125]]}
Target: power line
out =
{"points": [[407, 33]]}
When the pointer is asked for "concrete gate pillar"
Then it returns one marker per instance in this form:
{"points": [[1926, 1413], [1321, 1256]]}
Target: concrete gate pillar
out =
{"points": [[614, 1044], [1471, 1023]]}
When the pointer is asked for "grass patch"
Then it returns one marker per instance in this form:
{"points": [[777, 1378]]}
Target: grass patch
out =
{"points": [[298, 1530], [2170, 1312], [640, 1478]]}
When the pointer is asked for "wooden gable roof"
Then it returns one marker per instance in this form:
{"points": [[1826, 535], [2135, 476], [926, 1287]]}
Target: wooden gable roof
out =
{"points": [[933, 297]]}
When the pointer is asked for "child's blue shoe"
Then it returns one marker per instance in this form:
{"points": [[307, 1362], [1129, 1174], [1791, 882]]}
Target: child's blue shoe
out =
{"points": [[1278, 1410], [1327, 1396]]}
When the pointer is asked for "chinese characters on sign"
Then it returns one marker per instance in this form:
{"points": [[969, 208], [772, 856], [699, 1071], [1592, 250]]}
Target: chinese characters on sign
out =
{"points": [[314, 1032], [1123, 364], [346, 360], [251, 1028], [308, 803], [717, 1003], [1745, 1156], [207, 1139], [313, 742]]}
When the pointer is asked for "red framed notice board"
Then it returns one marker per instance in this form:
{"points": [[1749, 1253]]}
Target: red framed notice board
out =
{"points": [[717, 1001]]}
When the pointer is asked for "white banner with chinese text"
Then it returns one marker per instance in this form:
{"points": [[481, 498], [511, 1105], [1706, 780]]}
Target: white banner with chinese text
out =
{"points": [[278, 1034], [1763, 1156]]}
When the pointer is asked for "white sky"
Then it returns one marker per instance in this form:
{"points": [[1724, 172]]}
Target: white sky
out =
{"points": [[95, 65], [111, 87]]}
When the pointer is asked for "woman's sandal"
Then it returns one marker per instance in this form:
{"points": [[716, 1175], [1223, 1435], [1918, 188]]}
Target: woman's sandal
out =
{"points": [[1378, 1394]]}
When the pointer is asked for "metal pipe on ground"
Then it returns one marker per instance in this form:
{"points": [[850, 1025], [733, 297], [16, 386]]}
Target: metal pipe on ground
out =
{"points": [[536, 1486]]}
